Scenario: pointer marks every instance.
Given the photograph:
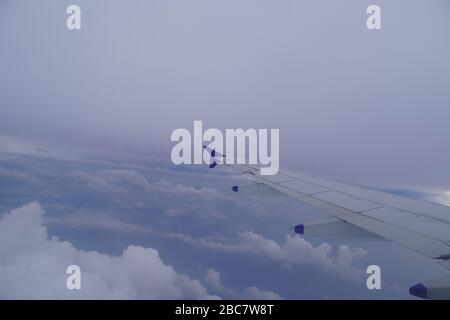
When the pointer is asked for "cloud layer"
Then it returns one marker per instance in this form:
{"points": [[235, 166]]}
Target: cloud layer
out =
{"points": [[294, 251], [33, 266], [104, 206]]}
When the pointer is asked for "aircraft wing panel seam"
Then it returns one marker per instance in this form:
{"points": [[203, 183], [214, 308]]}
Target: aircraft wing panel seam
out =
{"points": [[363, 198]]}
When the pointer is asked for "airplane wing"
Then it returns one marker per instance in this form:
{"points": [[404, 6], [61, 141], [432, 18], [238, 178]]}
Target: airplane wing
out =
{"points": [[420, 226]]}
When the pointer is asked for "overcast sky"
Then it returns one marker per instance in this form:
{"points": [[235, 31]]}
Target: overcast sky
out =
{"points": [[352, 103]]}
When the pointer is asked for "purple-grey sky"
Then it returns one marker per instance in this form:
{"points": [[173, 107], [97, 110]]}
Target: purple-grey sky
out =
{"points": [[368, 106]]}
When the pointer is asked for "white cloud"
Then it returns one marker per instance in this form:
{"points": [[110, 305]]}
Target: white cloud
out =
{"points": [[253, 293], [295, 251], [213, 279], [32, 266]]}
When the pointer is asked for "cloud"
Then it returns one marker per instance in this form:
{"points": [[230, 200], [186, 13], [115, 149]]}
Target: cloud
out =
{"points": [[128, 185], [295, 251], [184, 70], [129, 177], [95, 182], [99, 220], [120, 181], [32, 266], [201, 212], [180, 189], [213, 279], [17, 175], [253, 293]]}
